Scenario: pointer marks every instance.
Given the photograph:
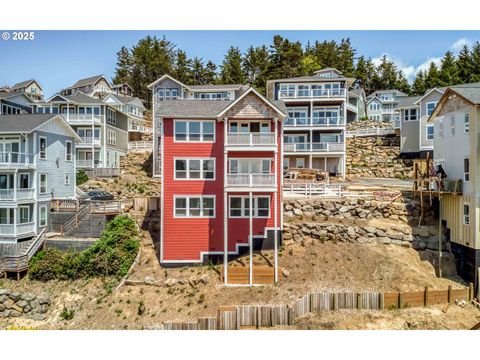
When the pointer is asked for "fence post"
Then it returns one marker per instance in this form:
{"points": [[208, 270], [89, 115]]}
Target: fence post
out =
{"points": [[335, 301], [426, 296], [400, 300], [359, 301], [381, 301], [449, 296], [470, 291]]}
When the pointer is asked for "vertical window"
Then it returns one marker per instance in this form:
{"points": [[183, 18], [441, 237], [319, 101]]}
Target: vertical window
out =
{"points": [[111, 116], [466, 214], [466, 169], [24, 181], [43, 216], [43, 148], [467, 123], [286, 163], [67, 178], [111, 137], [68, 150], [300, 163], [430, 107], [430, 132], [43, 183], [24, 214]]}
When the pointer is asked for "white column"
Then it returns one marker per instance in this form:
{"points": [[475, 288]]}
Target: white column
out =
{"points": [[250, 236], [15, 184], [225, 204], [15, 221], [275, 211]]}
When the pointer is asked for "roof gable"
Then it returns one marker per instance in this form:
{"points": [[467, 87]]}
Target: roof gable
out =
{"points": [[166, 76]]}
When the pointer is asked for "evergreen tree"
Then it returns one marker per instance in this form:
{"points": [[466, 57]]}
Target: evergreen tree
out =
{"points": [[387, 74], [475, 62], [285, 58], [231, 69], [464, 65], [198, 72], [123, 72], [418, 86], [255, 67], [346, 54], [183, 66], [432, 76], [310, 64], [360, 73], [448, 70], [401, 83], [210, 76]]}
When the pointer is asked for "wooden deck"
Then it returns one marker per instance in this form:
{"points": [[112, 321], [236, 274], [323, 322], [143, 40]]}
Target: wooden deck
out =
{"points": [[262, 275]]}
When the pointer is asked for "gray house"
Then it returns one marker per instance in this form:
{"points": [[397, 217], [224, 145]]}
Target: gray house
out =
{"points": [[37, 164], [382, 104], [416, 133]]}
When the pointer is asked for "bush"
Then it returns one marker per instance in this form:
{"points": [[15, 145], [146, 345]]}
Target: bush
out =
{"points": [[112, 254], [82, 177]]}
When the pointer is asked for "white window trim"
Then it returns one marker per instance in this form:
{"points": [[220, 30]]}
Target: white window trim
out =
{"points": [[426, 132], [187, 216], [466, 218], [65, 176], [40, 183], [188, 169], [111, 116], [296, 162], [40, 148], [254, 207], [19, 179], [409, 117], [261, 160], [66, 151], [42, 222], [28, 216], [111, 137], [187, 140], [426, 106]]}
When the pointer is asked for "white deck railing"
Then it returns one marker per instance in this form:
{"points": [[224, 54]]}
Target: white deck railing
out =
{"points": [[82, 118], [88, 140], [314, 190], [17, 229], [314, 121], [84, 163], [370, 132], [16, 158], [250, 180], [314, 147], [140, 146], [251, 139], [16, 194], [311, 93]]}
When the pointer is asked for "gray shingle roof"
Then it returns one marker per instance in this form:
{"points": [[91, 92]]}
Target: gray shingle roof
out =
{"points": [[471, 92], [87, 81], [21, 84], [407, 101], [388, 91], [81, 98], [23, 123], [190, 108], [215, 87]]}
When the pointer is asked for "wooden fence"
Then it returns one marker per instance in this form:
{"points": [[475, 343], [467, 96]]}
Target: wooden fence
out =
{"points": [[262, 275], [265, 316], [146, 203]]}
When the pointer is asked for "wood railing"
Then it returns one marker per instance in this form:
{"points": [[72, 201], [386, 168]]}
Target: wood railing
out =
{"points": [[75, 220], [376, 131], [19, 262]]}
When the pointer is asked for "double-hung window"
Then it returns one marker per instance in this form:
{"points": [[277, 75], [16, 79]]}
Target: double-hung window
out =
{"points": [[195, 206], [68, 150], [240, 206], [43, 216], [24, 214], [466, 169], [466, 214], [466, 123], [430, 132], [111, 116], [194, 131], [43, 148], [43, 183], [287, 90], [111, 137], [193, 169]]}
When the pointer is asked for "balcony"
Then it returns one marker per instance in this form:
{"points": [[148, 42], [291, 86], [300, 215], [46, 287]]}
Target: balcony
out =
{"points": [[352, 107], [16, 194], [253, 180], [315, 122], [312, 94], [84, 163], [82, 119], [17, 229], [88, 140], [315, 147], [139, 128], [251, 140], [8, 159]]}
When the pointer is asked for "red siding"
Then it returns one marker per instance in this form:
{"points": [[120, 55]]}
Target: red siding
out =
{"points": [[185, 239]]}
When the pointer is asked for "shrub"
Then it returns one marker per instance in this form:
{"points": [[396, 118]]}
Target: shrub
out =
{"points": [[112, 254], [67, 314], [82, 177]]}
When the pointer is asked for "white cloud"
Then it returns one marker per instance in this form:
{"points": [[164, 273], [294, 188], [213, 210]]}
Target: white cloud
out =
{"points": [[458, 45]]}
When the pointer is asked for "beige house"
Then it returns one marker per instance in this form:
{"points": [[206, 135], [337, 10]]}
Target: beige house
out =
{"points": [[457, 151]]}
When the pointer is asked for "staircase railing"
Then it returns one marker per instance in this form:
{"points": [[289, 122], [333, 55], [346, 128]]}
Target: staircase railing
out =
{"points": [[74, 221]]}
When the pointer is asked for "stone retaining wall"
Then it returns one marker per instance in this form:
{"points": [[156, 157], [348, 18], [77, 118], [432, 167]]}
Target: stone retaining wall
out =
{"points": [[359, 221], [377, 156], [13, 304]]}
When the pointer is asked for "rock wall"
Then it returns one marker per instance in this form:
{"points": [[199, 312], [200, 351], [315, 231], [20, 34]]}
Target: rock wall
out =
{"points": [[14, 304], [360, 221], [368, 124], [377, 156]]}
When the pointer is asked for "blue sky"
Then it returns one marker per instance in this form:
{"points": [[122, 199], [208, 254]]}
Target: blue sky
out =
{"points": [[58, 58]]}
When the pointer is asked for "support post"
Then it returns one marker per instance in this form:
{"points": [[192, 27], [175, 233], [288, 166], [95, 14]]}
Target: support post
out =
{"points": [[275, 211], [440, 235], [449, 296], [250, 236], [426, 297], [225, 203]]}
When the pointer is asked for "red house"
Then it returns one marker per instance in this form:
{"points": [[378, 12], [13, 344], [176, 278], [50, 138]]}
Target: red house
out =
{"points": [[221, 168]]}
